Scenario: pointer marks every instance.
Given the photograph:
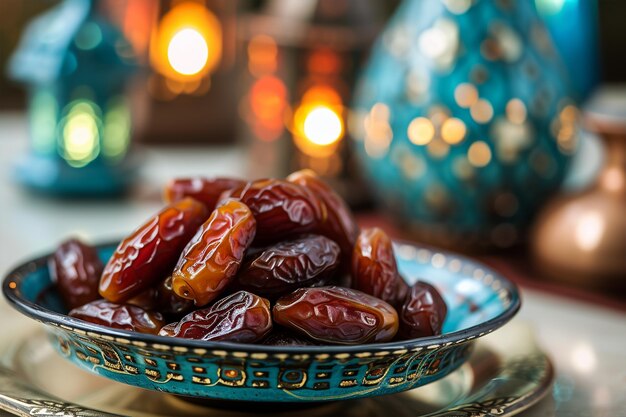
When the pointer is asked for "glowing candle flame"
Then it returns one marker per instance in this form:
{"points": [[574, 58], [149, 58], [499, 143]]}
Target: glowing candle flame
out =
{"points": [[187, 45], [323, 126], [318, 125], [188, 52]]}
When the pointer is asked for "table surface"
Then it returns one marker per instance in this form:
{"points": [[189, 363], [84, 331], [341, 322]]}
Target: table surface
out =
{"points": [[586, 341]]}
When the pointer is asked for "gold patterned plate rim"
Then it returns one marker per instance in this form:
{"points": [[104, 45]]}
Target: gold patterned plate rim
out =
{"points": [[511, 382]]}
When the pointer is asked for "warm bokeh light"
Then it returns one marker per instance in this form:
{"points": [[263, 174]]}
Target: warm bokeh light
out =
{"points": [[267, 105], [589, 231], [318, 125], [378, 133], [81, 138], [421, 131], [187, 44], [479, 154], [466, 95], [262, 55], [453, 131], [187, 52], [323, 126]]}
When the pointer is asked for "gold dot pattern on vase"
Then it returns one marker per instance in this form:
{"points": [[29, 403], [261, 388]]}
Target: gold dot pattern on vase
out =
{"points": [[438, 148], [453, 131], [440, 43], [516, 111], [482, 111], [509, 43], [458, 6], [479, 154], [465, 95], [462, 168], [412, 167], [565, 129], [378, 133], [510, 139], [421, 131]]}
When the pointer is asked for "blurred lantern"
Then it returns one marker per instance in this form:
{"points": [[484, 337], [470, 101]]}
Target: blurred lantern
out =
{"points": [[581, 238], [462, 120], [573, 25], [191, 52], [77, 65], [301, 63]]}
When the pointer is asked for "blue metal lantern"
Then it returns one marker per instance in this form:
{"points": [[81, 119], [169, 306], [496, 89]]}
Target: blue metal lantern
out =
{"points": [[76, 65], [462, 120]]}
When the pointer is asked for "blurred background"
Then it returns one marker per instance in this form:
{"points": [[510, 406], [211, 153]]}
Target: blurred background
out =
{"points": [[488, 127], [496, 128]]}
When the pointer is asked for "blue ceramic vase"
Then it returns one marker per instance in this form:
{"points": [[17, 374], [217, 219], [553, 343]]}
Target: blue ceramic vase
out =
{"points": [[462, 119]]}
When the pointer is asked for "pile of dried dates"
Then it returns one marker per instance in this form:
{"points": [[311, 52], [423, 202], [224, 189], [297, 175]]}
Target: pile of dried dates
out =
{"points": [[279, 262]]}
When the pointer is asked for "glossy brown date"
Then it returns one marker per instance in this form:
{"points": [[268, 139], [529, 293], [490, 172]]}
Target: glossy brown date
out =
{"points": [[281, 209], [281, 268], [341, 225], [337, 315], [422, 313], [163, 299], [149, 253], [119, 316], [374, 268], [211, 259], [285, 338], [241, 317], [75, 268], [202, 189]]}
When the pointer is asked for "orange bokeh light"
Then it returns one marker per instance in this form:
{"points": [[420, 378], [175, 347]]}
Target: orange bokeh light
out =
{"points": [[187, 44], [318, 125], [268, 105], [262, 55]]}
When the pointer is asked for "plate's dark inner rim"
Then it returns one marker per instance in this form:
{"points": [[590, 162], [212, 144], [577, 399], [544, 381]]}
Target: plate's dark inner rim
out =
{"points": [[42, 314]]}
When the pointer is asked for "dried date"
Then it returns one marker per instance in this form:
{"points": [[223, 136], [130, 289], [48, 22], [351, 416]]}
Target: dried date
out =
{"points": [[337, 315], [149, 254], [285, 338], [241, 317], [75, 268], [281, 209], [422, 313], [204, 190], [211, 259], [163, 299], [281, 268], [374, 268], [341, 225], [119, 316]]}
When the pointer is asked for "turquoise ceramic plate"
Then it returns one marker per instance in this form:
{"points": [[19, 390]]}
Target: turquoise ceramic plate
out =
{"points": [[505, 374], [479, 301]]}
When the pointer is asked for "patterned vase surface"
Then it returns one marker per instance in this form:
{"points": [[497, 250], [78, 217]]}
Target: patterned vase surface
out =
{"points": [[462, 120]]}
